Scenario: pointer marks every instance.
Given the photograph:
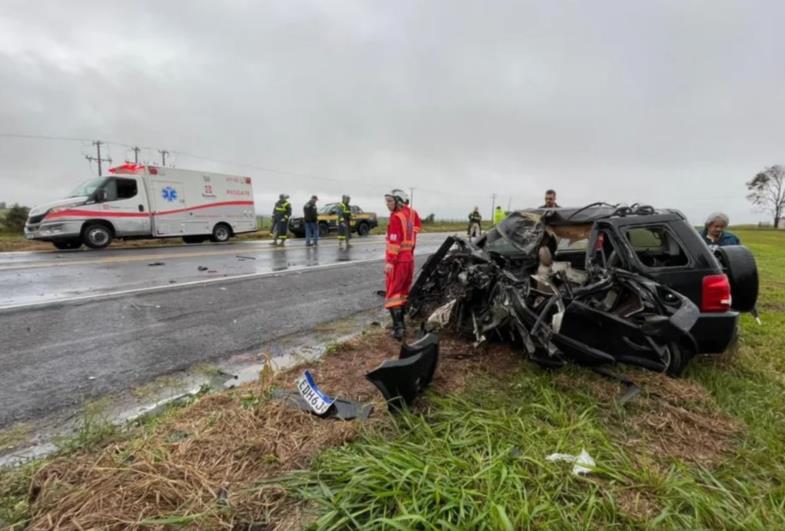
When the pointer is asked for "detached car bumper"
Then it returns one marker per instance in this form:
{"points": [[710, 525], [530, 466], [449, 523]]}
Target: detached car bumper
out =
{"points": [[54, 230], [714, 332]]}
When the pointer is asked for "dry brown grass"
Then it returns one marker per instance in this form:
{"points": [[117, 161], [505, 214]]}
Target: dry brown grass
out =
{"points": [[671, 418]]}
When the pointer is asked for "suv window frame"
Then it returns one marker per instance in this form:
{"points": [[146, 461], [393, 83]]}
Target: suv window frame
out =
{"points": [[624, 230]]}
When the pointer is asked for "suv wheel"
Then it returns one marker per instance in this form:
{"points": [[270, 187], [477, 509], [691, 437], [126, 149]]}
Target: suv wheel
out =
{"points": [[363, 229], [739, 264], [324, 230], [221, 233], [97, 236]]}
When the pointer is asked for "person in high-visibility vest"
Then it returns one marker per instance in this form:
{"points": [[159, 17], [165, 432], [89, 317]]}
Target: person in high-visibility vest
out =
{"points": [[498, 215], [344, 221], [399, 258], [281, 214]]}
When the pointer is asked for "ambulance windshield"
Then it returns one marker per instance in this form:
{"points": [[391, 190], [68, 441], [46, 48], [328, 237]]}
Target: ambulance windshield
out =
{"points": [[87, 188]]}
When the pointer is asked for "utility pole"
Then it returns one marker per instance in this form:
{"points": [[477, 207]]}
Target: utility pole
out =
{"points": [[136, 150], [509, 203], [163, 153], [493, 206], [411, 196], [97, 157]]}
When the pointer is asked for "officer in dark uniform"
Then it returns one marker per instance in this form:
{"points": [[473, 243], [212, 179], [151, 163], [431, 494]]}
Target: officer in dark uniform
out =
{"points": [[475, 223], [344, 221], [281, 214]]}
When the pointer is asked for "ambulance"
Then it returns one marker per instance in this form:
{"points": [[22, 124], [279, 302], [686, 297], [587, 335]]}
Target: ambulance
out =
{"points": [[138, 201]]}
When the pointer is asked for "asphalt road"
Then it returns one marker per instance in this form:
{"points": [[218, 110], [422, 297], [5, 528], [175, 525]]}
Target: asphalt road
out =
{"points": [[77, 325]]}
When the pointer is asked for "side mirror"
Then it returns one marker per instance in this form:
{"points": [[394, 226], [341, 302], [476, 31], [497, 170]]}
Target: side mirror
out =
{"points": [[100, 195]]}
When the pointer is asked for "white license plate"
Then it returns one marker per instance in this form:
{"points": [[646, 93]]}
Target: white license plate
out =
{"points": [[317, 400]]}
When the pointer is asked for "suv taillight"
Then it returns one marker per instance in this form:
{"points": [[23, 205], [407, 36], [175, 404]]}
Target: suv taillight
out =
{"points": [[716, 294]]}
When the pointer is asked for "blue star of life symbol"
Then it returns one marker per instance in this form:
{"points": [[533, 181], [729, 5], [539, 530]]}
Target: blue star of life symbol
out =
{"points": [[169, 194]]}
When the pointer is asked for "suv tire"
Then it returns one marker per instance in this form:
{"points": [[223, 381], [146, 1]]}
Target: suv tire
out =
{"points": [[363, 229], [739, 264]]}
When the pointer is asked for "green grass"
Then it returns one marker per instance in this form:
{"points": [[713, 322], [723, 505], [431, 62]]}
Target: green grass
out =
{"points": [[477, 460]]}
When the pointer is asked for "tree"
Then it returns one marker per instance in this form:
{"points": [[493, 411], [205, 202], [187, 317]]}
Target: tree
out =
{"points": [[15, 218], [767, 191]]}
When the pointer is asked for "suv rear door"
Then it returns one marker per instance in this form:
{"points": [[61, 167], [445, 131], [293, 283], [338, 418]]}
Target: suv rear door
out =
{"points": [[665, 249]]}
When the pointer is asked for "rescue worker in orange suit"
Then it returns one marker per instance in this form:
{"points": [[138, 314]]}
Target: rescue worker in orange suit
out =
{"points": [[399, 258]]}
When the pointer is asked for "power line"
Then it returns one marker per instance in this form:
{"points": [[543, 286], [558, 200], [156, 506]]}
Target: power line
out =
{"points": [[97, 157], [241, 164]]}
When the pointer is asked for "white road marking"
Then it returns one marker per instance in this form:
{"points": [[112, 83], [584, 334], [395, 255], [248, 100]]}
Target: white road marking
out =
{"points": [[162, 256], [115, 294]]}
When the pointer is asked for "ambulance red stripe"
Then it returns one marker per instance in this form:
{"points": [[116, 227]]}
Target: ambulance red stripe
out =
{"points": [[113, 214]]}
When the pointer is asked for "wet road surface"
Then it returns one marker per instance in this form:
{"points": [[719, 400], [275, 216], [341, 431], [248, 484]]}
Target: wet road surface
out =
{"points": [[99, 322], [43, 277]]}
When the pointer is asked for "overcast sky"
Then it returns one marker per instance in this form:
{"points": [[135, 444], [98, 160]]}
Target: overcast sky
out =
{"points": [[676, 103]]}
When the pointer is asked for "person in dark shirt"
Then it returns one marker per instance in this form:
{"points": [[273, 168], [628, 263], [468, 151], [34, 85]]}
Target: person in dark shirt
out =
{"points": [[311, 219], [475, 221], [550, 199], [714, 232]]}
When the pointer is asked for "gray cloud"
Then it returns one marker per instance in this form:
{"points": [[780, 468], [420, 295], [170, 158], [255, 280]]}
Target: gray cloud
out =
{"points": [[672, 103]]}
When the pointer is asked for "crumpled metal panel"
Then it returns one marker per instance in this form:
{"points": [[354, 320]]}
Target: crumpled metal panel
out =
{"points": [[401, 381]]}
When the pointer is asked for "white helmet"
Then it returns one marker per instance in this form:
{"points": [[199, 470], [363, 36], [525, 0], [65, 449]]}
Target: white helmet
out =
{"points": [[399, 195]]}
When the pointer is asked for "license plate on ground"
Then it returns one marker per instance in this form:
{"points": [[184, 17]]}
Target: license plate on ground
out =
{"points": [[317, 400]]}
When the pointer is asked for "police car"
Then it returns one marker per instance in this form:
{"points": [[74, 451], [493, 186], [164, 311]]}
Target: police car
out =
{"points": [[362, 222]]}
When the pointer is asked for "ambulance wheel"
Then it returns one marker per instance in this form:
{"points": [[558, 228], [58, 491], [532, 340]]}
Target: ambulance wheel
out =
{"points": [[97, 235], [221, 233], [67, 244], [363, 229]]}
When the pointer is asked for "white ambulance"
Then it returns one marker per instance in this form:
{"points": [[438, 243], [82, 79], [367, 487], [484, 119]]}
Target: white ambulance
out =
{"points": [[138, 201]]}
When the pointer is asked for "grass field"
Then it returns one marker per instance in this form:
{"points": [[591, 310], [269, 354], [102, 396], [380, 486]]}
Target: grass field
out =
{"points": [[706, 451]]}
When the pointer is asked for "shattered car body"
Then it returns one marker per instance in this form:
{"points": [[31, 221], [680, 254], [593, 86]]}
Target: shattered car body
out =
{"points": [[590, 309]]}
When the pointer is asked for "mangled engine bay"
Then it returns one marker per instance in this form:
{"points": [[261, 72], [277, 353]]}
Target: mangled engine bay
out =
{"points": [[507, 287]]}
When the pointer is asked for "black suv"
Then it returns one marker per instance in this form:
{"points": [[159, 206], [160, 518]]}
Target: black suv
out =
{"points": [[635, 279]]}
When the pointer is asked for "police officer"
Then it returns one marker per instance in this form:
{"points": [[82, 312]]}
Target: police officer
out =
{"points": [[399, 258], [475, 223], [281, 214], [344, 221]]}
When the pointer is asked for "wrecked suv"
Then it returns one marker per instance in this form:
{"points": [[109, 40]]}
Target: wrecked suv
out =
{"points": [[596, 285]]}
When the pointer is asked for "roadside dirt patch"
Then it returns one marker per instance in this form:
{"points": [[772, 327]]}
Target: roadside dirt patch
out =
{"points": [[672, 418]]}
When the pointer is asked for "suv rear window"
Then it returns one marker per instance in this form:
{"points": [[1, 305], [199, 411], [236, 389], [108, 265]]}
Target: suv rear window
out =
{"points": [[656, 247]]}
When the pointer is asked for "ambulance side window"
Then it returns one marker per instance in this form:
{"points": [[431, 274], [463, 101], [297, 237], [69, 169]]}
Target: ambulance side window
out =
{"points": [[126, 188], [118, 188]]}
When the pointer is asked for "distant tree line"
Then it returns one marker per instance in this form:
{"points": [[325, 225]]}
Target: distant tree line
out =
{"points": [[14, 219]]}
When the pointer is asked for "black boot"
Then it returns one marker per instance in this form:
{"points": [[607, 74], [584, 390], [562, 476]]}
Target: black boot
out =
{"points": [[399, 327]]}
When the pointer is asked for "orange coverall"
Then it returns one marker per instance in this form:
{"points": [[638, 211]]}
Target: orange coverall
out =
{"points": [[401, 237]]}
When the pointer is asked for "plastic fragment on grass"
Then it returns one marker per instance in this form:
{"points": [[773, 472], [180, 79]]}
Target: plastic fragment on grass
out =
{"points": [[583, 462]]}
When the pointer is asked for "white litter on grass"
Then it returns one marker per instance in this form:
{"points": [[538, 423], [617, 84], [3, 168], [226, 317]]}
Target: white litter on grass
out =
{"points": [[583, 462]]}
